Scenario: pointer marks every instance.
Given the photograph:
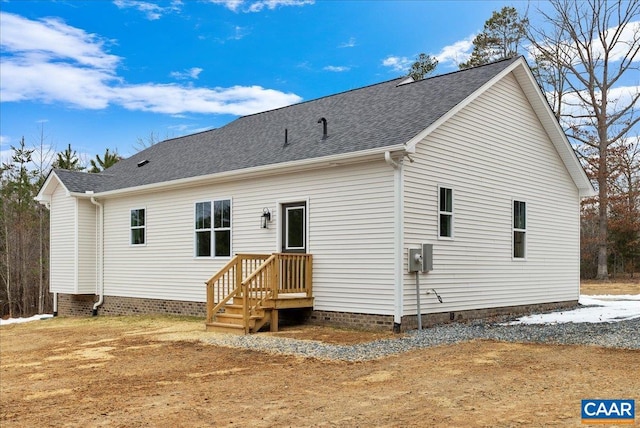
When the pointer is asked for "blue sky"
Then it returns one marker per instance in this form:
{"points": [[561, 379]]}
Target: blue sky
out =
{"points": [[103, 74]]}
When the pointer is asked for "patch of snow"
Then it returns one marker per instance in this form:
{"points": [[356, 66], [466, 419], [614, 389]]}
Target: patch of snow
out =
{"points": [[21, 320], [595, 309]]}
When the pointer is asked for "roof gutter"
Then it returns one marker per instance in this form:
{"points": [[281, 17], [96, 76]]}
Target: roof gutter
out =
{"points": [[100, 257]]}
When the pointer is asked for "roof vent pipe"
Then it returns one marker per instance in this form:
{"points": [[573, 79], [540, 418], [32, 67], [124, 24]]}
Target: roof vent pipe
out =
{"points": [[324, 127], [286, 137]]}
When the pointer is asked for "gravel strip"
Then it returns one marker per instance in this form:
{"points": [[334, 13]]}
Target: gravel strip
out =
{"points": [[623, 335]]}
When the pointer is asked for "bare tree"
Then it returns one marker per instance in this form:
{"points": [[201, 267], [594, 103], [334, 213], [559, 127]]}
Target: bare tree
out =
{"points": [[43, 164], [600, 44]]}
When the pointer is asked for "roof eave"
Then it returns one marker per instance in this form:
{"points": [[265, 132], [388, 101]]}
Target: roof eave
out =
{"points": [[254, 172], [47, 188]]}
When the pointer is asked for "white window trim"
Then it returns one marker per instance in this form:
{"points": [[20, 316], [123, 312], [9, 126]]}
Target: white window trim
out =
{"points": [[144, 228], [213, 230], [196, 230], [452, 213], [280, 222], [304, 235], [514, 229]]}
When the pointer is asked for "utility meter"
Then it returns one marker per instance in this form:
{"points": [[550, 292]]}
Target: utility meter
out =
{"points": [[421, 259]]}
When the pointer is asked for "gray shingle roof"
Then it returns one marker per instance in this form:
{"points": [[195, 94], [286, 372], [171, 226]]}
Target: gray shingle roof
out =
{"points": [[375, 116]]}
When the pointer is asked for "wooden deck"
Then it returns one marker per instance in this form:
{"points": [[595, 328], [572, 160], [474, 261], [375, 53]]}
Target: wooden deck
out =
{"points": [[248, 292]]}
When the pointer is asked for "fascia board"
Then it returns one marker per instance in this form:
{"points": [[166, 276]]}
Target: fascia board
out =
{"points": [[46, 190], [255, 172]]}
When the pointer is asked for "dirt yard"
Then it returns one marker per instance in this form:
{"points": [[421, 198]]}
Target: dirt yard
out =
{"points": [[156, 372]]}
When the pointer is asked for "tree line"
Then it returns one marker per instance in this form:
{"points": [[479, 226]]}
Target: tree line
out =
{"points": [[578, 54], [24, 225]]}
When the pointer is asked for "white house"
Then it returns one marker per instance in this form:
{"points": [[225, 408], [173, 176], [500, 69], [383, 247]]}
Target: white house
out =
{"points": [[473, 163]]}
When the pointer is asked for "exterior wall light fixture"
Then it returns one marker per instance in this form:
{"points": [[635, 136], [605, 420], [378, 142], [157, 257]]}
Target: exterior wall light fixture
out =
{"points": [[265, 218]]}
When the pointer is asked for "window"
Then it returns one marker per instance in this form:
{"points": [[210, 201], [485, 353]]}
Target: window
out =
{"points": [[519, 229], [203, 229], [213, 235], [138, 226], [445, 212]]}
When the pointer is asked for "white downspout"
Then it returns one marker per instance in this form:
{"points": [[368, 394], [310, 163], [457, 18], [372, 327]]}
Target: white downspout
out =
{"points": [[398, 239], [100, 255]]}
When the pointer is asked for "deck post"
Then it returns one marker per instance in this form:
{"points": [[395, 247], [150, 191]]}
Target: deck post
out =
{"points": [[273, 326], [308, 274]]}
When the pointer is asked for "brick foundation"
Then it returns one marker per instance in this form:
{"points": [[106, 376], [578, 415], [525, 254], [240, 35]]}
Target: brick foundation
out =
{"points": [[76, 305], [82, 305], [410, 322], [352, 320]]}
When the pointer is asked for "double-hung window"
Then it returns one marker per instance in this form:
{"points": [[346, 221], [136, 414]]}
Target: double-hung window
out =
{"points": [[138, 226], [519, 229], [445, 212], [213, 228]]}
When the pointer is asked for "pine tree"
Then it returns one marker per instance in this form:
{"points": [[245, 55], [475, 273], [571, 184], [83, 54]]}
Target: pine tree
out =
{"points": [[109, 159], [500, 38]]}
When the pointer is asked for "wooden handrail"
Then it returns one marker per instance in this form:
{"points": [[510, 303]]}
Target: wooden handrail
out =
{"points": [[257, 277]]}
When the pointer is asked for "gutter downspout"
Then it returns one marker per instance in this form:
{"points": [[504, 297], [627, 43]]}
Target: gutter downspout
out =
{"points": [[398, 214], [100, 256]]}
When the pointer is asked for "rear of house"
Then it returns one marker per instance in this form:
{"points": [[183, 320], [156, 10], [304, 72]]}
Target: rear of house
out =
{"points": [[472, 163]]}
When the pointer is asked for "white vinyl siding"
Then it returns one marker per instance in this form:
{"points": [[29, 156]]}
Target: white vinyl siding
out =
{"points": [[489, 152], [73, 244], [87, 238], [350, 234], [62, 276]]}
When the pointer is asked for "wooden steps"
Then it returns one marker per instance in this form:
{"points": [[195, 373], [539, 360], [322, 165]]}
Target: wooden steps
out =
{"points": [[230, 320], [264, 283]]}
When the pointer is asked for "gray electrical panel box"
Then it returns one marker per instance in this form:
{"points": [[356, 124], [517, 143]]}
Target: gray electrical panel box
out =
{"points": [[421, 259], [427, 257]]}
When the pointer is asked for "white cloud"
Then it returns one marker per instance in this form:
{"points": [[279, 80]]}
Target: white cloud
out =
{"points": [[191, 73], [51, 38], [258, 6], [337, 68], [457, 52], [174, 99], [618, 97], [49, 61], [232, 5], [630, 36], [151, 10], [351, 43], [397, 63]]}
